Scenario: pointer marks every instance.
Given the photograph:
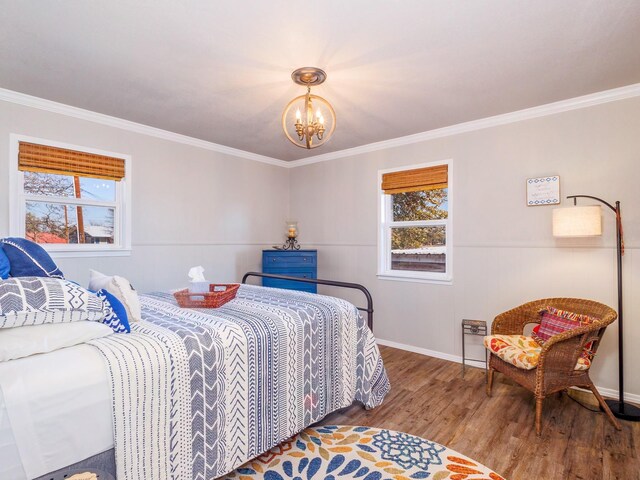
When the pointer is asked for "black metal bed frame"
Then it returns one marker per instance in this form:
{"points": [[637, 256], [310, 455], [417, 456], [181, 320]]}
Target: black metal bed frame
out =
{"points": [[332, 283]]}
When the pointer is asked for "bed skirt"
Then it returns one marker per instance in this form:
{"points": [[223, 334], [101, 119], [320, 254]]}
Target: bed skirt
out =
{"points": [[105, 462]]}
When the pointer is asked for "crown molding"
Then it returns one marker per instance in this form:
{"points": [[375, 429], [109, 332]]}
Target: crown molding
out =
{"points": [[576, 103], [584, 101], [62, 109]]}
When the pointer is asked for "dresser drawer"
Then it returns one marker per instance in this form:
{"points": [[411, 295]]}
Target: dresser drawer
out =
{"points": [[293, 259], [290, 285], [292, 272]]}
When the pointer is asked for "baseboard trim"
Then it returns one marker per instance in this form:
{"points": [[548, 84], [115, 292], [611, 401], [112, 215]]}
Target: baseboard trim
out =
{"points": [[605, 392], [429, 353], [611, 393]]}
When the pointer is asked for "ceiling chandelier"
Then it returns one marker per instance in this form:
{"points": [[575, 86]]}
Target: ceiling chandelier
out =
{"points": [[308, 121]]}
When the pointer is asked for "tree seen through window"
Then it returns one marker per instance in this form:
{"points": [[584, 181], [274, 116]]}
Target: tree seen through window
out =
{"points": [[419, 206]]}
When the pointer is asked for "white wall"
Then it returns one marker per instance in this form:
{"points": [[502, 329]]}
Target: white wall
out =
{"points": [[190, 206], [504, 253]]}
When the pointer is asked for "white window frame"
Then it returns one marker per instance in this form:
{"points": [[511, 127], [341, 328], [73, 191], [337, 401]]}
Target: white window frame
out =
{"points": [[122, 219], [386, 223]]}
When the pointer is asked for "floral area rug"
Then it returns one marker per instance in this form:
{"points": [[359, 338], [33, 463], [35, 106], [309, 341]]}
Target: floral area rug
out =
{"points": [[336, 452]]}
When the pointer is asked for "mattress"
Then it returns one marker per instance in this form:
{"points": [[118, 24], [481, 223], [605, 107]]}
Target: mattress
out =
{"points": [[55, 410]]}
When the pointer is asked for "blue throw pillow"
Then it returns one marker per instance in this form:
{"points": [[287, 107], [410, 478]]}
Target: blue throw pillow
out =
{"points": [[28, 259], [115, 315], [5, 266]]}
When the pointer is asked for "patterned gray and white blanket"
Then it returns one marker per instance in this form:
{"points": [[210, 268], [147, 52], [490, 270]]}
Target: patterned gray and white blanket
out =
{"points": [[199, 392]]}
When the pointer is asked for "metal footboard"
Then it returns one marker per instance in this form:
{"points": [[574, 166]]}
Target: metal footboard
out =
{"points": [[332, 283]]}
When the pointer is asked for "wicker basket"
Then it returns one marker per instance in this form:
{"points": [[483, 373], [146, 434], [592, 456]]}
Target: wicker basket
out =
{"points": [[214, 298]]}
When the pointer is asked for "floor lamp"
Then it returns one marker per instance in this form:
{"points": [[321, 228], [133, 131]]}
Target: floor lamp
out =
{"points": [[585, 222]]}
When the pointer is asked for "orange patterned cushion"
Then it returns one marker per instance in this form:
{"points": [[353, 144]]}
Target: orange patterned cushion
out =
{"points": [[522, 352]]}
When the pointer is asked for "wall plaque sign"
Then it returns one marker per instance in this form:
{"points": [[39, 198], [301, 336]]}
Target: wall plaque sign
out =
{"points": [[543, 191]]}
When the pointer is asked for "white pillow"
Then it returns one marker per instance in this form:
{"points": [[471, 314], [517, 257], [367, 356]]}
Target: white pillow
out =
{"points": [[121, 288], [24, 341]]}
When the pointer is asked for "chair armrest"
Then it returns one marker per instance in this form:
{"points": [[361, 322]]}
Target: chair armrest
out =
{"points": [[512, 322], [561, 352]]}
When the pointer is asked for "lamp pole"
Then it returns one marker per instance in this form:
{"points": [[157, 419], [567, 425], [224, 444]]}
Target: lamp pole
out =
{"points": [[618, 407]]}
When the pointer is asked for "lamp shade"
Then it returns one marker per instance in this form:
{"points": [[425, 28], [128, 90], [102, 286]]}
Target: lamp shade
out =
{"points": [[577, 221]]}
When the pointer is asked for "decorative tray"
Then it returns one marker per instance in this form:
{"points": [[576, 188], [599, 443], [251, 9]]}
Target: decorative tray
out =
{"points": [[218, 295]]}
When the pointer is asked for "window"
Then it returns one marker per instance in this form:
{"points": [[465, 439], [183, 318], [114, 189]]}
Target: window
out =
{"points": [[415, 223], [70, 199]]}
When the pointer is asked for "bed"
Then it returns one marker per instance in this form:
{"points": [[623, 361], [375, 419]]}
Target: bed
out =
{"points": [[189, 394]]}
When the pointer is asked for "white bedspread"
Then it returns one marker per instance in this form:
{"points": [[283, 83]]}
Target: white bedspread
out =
{"points": [[55, 410]]}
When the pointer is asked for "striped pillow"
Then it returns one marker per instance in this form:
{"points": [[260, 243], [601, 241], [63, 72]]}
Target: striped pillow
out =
{"points": [[555, 321], [39, 300]]}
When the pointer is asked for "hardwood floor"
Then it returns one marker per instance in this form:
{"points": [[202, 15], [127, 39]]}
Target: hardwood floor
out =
{"points": [[429, 398]]}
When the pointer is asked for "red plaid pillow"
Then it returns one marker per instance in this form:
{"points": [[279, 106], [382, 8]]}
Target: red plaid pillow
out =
{"points": [[555, 321]]}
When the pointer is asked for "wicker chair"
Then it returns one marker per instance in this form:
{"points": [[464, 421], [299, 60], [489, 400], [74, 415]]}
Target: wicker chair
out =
{"points": [[555, 371]]}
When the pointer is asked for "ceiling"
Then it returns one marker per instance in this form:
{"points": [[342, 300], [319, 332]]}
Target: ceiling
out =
{"points": [[220, 70]]}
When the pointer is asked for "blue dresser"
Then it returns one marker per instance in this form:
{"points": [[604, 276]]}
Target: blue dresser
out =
{"points": [[293, 263]]}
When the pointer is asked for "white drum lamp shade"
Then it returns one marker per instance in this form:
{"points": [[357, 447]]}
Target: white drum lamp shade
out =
{"points": [[577, 221]]}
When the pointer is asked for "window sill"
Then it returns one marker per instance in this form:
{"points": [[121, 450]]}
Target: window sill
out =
{"points": [[120, 252], [406, 278]]}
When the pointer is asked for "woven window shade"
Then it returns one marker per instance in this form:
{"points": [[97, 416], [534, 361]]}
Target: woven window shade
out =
{"points": [[429, 178], [46, 159]]}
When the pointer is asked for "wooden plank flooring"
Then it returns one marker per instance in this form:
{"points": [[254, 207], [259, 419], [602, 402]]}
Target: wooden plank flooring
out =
{"points": [[429, 398]]}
